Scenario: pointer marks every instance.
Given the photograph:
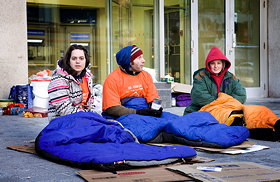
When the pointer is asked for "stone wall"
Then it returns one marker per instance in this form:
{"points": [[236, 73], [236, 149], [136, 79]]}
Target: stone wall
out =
{"points": [[13, 53], [273, 48]]}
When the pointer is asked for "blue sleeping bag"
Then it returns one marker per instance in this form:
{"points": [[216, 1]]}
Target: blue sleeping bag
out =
{"points": [[195, 129], [87, 140]]}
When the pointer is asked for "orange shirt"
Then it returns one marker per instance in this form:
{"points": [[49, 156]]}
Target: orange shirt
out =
{"points": [[119, 85], [85, 91]]}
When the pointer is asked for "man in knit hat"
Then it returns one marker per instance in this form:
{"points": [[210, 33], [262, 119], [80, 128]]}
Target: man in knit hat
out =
{"points": [[127, 81]]}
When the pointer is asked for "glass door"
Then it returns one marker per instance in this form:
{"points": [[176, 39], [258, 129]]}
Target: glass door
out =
{"points": [[247, 50], [211, 28], [177, 38], [132, 25], [250, 57], [172, 44], [235, 28], [120, 25]]}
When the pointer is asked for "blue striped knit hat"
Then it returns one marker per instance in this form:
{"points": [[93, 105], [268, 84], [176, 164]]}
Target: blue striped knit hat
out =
{"points": [[127, 55]]}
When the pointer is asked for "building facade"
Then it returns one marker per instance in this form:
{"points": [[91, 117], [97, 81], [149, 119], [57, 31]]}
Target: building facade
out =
{"points": [[175, 36]]}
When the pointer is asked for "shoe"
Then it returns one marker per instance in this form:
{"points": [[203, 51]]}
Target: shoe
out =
{"points": [[264, 134]]}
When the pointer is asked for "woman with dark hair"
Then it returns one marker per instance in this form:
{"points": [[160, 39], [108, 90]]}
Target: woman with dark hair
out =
{"points": [[66, 63], [71, 89]]}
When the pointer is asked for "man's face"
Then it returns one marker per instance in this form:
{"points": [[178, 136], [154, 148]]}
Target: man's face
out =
{"points": [[138, 64]]}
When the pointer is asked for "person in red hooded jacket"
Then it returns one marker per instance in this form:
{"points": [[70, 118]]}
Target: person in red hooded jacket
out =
{"points": [[208, 82]]}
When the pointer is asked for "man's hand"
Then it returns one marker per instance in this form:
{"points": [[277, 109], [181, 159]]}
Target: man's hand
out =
{"points": [[149, 112]]}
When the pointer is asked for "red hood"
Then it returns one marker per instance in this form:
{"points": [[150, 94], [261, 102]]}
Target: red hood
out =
{"points": [[214, 54]]}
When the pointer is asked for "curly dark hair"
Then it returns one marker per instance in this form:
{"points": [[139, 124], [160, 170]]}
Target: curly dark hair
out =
{"points": [[66, 59]]}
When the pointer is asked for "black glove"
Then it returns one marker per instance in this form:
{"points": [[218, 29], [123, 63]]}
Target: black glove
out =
{"points": [[149, 112]]}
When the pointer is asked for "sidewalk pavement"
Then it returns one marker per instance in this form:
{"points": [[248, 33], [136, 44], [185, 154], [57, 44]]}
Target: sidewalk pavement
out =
{"points": [[20, 167]]}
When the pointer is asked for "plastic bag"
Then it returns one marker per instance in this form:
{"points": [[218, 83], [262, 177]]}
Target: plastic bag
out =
{"points": [[41, 75], [22, 94]]}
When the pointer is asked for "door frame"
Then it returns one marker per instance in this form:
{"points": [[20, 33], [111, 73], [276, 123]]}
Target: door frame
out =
{"points": [[263, 49]]}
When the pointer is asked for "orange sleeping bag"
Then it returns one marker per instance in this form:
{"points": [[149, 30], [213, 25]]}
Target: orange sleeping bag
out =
{"points": [[222, 107], [255, 116]]}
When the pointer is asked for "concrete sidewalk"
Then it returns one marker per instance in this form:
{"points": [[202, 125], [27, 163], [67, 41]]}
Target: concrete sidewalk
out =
{"points": [[19, 166]]}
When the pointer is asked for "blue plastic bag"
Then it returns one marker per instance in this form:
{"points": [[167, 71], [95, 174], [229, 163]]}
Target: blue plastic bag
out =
{"points": [[22, 94]]}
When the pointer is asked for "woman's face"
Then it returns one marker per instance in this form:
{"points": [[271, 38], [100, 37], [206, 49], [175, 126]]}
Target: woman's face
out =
{"points": [[216, 66], [78, 60]]}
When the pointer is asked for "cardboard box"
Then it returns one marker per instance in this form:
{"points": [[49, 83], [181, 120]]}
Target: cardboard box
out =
{"points": [[229, 172], [24, 148], [180, 88], [244, 147], [143, 175]]}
